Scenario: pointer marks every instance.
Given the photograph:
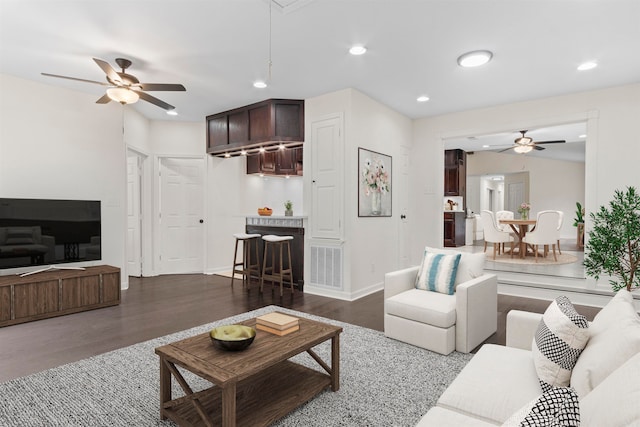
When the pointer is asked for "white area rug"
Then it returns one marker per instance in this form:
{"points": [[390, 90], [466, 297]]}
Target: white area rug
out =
{"points": [[383, 382]]}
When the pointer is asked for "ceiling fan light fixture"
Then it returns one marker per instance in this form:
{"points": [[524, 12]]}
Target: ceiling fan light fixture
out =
{"points": [[475, 58], [522, 149], [524, 140], [122, 95]]}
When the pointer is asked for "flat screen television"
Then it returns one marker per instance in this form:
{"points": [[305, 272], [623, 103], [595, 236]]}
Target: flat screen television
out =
{"points": [[46, 232]]}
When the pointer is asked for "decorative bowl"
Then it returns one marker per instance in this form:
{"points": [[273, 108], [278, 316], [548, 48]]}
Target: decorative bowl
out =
{"points": [[233, 337], [265, 211]]}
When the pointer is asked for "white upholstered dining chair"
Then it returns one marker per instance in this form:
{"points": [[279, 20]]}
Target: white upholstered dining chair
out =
{"points": [[492, 234], [504, 215], [560, 221], [545, 233]]}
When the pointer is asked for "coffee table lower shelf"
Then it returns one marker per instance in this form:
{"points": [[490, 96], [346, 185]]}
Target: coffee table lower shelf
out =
{"points": [[260, 400]]}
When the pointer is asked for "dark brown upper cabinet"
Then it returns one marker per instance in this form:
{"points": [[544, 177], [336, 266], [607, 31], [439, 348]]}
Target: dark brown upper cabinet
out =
{"points": [[280, 162], [455, 173], [264, 124]]}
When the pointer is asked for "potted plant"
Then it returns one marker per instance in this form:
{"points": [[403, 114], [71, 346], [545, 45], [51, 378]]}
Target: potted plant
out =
{"points": [[614, 241], [578, 222], [579, 219], [288, 208]]}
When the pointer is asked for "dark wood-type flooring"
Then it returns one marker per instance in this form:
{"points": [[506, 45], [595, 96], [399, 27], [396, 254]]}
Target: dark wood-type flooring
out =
{"points": [[156, 306]]}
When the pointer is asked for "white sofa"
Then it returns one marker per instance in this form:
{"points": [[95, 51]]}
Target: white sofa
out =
{"points": [[500, 380], [437, 321]]}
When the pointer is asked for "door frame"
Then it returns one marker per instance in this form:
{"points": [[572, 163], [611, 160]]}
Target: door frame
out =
{"points": [[146, 226]]}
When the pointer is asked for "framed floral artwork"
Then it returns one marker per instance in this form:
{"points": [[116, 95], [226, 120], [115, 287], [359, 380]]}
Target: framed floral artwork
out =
{"points": [[374, 183]]}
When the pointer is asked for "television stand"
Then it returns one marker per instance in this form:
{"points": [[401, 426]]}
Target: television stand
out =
{"points": [[57, 291], [51, 267]]}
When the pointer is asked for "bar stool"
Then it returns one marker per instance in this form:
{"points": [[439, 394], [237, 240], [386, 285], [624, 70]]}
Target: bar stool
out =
{"points": [[276, 244], [248, 267]]}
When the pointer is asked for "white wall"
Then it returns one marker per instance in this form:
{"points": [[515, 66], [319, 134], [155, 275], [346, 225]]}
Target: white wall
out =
{"points": [[57, 143], [371, 244], [553, 184], [232, 195], [612, 147]]}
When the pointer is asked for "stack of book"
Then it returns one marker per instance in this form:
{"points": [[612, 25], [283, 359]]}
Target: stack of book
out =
{"points": [[277, 323]]}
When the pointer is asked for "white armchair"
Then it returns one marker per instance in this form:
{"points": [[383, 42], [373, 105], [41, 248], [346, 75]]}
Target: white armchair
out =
{"points": [[441, 322]]}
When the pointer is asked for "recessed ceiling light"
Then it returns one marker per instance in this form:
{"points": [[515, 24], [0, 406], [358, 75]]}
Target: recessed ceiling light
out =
{"points": [[587, 66], [422, 98], [485, 146], [584, 135], [259, 84], [172, 112], [475, 58], [357, 50]]}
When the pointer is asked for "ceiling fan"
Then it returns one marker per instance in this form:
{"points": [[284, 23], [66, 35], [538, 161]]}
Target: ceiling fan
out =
{"points": [[126, 88], [524, 144]]}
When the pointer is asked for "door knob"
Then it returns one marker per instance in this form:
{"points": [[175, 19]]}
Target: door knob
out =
{"points": [[201, 221], [403, 217]]}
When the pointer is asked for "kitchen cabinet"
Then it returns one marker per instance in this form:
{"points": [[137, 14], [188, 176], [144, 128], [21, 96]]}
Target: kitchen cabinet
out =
{"points": [[454, 229], [279, 162], [264, 124], [455, 173], [297, 248]]}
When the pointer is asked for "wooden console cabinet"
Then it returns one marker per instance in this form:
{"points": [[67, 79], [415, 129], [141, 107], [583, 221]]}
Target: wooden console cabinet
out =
{"points": [[57, 292]]}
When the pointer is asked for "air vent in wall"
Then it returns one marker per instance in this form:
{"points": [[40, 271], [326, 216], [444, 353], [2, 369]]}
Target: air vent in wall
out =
{"points": [[326, 266]]}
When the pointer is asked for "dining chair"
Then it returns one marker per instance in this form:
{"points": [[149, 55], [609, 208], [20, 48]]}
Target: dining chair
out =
{"points": [[545, 233], [504, 215], [492, 234], [560, 221]]}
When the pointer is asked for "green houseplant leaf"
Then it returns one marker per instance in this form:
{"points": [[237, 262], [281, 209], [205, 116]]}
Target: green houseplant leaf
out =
{"points": [[614, 241], [579, 215]]}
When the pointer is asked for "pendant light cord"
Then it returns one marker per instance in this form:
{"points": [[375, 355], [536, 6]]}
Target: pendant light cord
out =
{"points": [[270, 2]]}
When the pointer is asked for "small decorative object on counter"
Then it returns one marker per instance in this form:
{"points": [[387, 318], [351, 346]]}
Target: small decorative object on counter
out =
{"points": [[523, 210], [265, 211], [288, 208]]}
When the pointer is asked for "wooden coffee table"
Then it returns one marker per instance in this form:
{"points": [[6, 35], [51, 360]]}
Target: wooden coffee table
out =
{"points": [[253, 387]]}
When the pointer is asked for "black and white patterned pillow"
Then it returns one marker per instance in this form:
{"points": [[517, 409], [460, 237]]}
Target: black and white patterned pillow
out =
{"points": [[557, 407], [561, 336]]}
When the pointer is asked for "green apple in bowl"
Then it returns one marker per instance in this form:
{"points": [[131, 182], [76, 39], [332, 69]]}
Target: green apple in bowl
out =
{"points": [[233, 337]]}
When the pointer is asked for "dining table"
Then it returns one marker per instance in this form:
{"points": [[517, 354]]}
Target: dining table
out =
{"points": [[520, 228]]}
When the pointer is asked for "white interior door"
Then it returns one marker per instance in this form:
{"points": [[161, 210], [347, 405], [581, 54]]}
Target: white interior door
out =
{"points": [[327, 148], [134, 216], [181, 215]]}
